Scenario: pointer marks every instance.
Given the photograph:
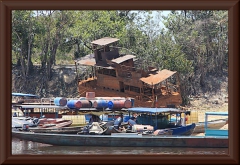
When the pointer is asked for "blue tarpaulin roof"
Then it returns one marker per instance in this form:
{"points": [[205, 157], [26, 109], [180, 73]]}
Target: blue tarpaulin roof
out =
{"points": [[154, 110], [23, 94]]}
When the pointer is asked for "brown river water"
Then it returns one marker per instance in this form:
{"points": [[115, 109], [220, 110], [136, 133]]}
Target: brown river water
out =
{"points": [[20, 147]]}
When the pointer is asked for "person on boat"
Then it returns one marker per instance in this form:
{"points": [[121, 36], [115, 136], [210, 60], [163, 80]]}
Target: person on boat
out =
{"points": [[94, 118], [132, 121], [117, 123], [15, 114]]}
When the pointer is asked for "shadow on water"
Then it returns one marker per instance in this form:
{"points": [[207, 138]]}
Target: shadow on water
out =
{"points": [[20, 147]]}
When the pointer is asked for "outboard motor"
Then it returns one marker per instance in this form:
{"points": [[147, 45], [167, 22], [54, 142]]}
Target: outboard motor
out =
{"points": [[117, 123]]}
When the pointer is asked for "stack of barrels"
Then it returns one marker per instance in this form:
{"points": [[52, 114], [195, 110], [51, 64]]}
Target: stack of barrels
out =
{"points": [[90, 101]]}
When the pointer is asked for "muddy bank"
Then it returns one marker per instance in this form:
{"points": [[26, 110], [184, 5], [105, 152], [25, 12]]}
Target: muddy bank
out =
{"points": [[62, 84]]}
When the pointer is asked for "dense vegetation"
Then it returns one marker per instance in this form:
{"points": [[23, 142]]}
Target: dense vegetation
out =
{"points": [[194, 43]]}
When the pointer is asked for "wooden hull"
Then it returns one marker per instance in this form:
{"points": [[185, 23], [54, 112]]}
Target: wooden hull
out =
{"points": [[162, 101], [63, 130], [123, 140], [53, 123], [183, 130], [215, 124]]}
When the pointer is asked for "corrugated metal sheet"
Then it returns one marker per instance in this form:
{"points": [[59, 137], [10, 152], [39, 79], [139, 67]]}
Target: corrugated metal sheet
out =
{"points": [[123, 58], [104, 41], [23, 94], [157, 78]]}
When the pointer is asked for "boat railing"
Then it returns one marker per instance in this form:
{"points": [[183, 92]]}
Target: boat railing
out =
{"points": [[46, 100], [214, 132]]}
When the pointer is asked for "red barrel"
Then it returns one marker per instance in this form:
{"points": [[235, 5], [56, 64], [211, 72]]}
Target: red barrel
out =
{"points": [[128, 104], [74, 104], [90, 95], [86, 104]]}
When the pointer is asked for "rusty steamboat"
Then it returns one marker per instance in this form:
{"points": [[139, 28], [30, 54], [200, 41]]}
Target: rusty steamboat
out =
{"points": [[111, 73]]}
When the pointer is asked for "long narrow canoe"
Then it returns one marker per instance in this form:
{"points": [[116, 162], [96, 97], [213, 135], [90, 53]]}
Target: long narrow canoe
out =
{"points": [[213, 124], [123, 140]]}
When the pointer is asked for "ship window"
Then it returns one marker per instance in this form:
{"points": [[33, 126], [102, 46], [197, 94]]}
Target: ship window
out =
{"points": [[135, 89], [99, 55]]}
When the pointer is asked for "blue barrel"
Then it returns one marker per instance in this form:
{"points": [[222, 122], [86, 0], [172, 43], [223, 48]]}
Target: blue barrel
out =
{"points": [[87, 117], [104, 117], [119, 104], [74, 104], [100, 104], [126, 118], [60, 101]]}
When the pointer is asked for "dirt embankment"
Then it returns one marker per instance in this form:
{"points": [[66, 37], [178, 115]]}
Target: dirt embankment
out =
{"points": [[211, 102], [62, 84]]}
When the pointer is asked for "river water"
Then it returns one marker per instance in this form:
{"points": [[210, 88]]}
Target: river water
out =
{"points": [[33, 148]]}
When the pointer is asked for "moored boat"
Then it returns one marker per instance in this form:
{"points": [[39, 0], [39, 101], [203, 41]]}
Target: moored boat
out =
{"points": [[149, 87], [18, 122], [213, 124], [123, 139], [160, 118], [53, 123], [214, 131]]}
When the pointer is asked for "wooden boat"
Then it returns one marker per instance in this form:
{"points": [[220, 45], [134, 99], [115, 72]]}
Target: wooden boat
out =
{"points": [[123, 140], [53, 123], [62, 130], [160, 118], [212, 131], [213, 124], [23, 97], [18, 122], [149, 87]]}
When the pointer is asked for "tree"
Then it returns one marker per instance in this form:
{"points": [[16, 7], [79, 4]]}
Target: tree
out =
{"points": [[24, 30], [54, 25], [202, 36]]}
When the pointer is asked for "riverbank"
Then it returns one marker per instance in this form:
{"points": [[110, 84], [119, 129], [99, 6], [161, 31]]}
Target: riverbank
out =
{"points": [[201, 106]]}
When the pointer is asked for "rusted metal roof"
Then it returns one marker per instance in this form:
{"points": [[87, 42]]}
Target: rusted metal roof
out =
{"points": [[104, 41], [158, 77], [89, 60], [106, 67], [123, 58]]}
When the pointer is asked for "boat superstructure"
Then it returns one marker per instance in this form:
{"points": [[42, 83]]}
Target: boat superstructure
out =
{"points": [[113, 74]]}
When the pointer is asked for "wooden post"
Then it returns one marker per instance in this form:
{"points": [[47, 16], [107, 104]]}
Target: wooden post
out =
{"points": [[153, 95], [76, 72]]}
